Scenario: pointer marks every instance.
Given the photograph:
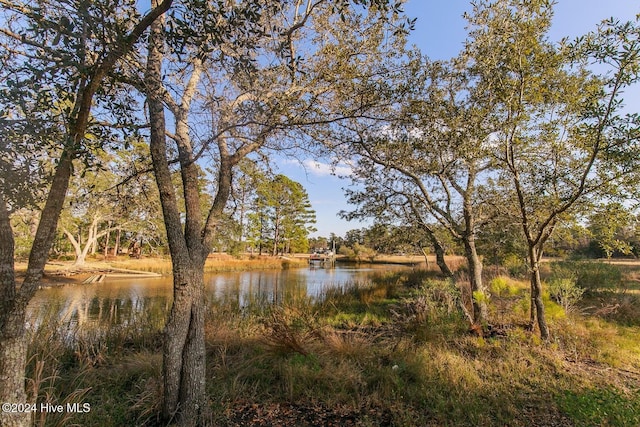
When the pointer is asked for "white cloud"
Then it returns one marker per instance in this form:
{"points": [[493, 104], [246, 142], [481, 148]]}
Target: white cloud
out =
{"points": [[325, 169]]}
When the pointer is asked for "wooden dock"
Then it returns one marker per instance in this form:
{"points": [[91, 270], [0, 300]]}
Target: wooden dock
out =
{"points": [[324, 260], [119, 273]]}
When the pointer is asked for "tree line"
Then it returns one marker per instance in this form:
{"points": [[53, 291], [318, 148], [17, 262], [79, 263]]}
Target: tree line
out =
{"points": [[515, 129], [267, 214], [607, 231]]}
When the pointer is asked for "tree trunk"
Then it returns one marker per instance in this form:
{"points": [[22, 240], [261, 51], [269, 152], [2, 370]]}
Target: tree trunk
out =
{"points": [[439, 251], [426, 257], [13, 344], [478, 293], [13, 358], [116, 246], [183, 345], [184, 351], [537, 305], [106, 241], [14, 299]]}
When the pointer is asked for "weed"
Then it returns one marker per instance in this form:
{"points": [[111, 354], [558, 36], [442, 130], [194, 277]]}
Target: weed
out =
{"points": [[601, 407], [591, 276], [566, 292]]}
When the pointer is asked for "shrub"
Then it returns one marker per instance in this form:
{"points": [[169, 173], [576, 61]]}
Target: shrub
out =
{"points": [[566, 293], [501, 287], [590, 276], [438, 298], [347, 251], [515, 265]]}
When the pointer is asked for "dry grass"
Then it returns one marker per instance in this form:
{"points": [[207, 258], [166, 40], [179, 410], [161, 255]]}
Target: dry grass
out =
{"points": [[214, 264], [382, 353]]}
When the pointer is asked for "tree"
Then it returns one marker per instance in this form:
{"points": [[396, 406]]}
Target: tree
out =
{"points": [[57, 57], [90, 213], [607, 225], [257, 88], [425, 166], [282, 216], [559, 136]]}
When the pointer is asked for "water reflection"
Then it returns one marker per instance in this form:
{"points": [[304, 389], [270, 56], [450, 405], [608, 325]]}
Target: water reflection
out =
{"points": [[126, 302]]}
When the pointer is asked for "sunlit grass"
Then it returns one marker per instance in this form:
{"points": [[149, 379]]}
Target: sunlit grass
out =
{"points": [[395, 350], [212, 265]]}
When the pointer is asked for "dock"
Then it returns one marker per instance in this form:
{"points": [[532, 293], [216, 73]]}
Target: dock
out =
{"points": [[119, 273], [322, 259]]}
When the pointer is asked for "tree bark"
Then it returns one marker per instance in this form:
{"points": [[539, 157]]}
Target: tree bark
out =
{"points": [[13, 353], [184, 365], [426, 257], [81, 253], [106, 241], [439, 251], [116, 247], [184, 368], [13, 356], [537, 304], [480, 312]]}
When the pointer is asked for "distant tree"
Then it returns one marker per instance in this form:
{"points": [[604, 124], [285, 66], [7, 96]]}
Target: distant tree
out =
{"points": [[90, 212], [570, 238], [354, 236], [319, 243], [282, 216], [612, 228], [245, 183]]}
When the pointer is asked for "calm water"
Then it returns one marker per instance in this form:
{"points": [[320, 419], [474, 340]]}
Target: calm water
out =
{"points": [[125, 301]]}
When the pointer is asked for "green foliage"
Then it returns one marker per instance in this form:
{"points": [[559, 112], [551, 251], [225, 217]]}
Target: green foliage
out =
{"points": [[281, 217], [566, 292], [590, 276], [499, 286], [515, 265], [601, 407], [553, 310], [364, 253], [346, 251], [611, 228], [480, 297]]}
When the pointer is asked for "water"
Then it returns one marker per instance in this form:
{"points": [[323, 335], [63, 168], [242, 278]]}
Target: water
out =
{"points": [[122, 302]]}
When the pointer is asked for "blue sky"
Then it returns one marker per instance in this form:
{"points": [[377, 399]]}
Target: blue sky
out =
{"points": [[440, 33]]}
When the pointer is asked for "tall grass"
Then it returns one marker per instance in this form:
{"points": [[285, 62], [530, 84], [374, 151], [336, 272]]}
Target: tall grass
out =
{"points": [[391, 351], [212, 265]]}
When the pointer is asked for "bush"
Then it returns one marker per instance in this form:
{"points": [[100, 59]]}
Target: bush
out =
{"points": [[590, 276], [347, 251], [566, 293], [515, 265], [501, 287], [438, 299]]}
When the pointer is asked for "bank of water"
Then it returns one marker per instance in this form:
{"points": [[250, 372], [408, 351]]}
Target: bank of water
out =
{"points": [[123, 302]]}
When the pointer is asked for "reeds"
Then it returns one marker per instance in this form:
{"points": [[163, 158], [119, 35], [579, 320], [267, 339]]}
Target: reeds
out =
{"points": [[394, 350], [212, 265]]}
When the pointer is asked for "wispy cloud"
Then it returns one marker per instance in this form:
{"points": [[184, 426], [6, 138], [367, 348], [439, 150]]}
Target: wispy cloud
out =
{"points": [[326, 169]]}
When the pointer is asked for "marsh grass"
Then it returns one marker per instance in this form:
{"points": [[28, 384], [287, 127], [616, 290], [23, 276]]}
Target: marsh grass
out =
{"points": [[392, 351], [212, 265]]}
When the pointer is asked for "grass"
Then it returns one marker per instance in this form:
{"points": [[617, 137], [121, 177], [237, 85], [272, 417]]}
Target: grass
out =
{"points": [[213, 264], [394, 351]]}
